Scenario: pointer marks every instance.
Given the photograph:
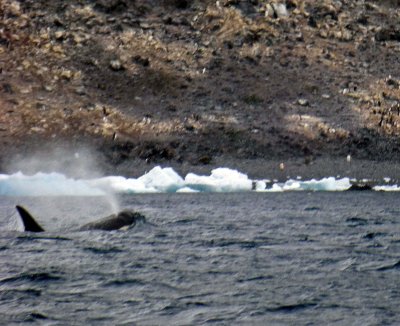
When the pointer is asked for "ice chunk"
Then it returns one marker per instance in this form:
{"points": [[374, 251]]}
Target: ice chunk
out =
{"points": [[291, 185], [162, 179], [387, 188], [260, 185], [157, 180], [221, 180], [326, 184], [116, 184]]}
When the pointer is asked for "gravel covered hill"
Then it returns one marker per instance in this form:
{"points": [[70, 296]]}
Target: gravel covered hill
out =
{"points": [[197, 84]]}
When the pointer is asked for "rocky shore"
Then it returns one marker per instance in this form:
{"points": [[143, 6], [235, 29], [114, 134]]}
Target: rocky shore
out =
{"points": [[272, 88]]}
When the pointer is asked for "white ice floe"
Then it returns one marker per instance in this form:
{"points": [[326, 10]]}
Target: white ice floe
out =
{"points": [[220, 180], [162, 180], [387, 188], [157, 180], [116, 184], [325, 184]]}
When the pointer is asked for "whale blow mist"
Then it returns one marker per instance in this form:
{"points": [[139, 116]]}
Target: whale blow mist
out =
{"points": [[74, 163]]}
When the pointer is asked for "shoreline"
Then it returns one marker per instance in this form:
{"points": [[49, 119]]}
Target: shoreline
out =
{"points": [[88, 162], [294, 168], [200, 86]]}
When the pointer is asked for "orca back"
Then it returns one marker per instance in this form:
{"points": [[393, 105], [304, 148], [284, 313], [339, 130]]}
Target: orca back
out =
{"points": [[29, 222], [124, 219]]}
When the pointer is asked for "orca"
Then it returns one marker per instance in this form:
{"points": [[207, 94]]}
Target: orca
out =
{"points": [[123, 219]]}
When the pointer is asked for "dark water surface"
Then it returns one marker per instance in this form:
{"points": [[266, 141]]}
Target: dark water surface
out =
{"points": [[219, 259]]}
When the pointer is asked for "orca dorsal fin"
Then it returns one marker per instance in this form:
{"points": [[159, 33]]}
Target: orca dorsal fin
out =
{"points": [[29, 222]]}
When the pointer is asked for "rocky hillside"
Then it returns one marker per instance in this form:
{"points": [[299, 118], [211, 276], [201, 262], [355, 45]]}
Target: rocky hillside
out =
{"points": [[200, 83]]}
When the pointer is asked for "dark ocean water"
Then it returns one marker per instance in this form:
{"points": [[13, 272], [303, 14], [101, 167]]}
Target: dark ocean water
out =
{"points": [[219, 259]]}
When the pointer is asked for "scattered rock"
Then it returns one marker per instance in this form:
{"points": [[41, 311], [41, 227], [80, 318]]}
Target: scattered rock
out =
{"points": [[59, 35], [303, 102], [181, 4], [360, 187], [391, 33], [280, 10], [206, 159], [276, 10], [153, 152], [15, 8], [111, 6], [66, 74], [116, 65], [7, 88], [269, 11], [223, 61], [80, 90], [145, 62], [392, 82]]}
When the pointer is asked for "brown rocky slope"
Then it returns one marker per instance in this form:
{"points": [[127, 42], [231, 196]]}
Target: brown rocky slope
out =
{"points": [[200, 84]]}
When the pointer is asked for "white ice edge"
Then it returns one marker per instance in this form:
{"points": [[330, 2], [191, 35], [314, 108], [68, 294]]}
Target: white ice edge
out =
{"points": [[162, 180], [387, 188]]}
